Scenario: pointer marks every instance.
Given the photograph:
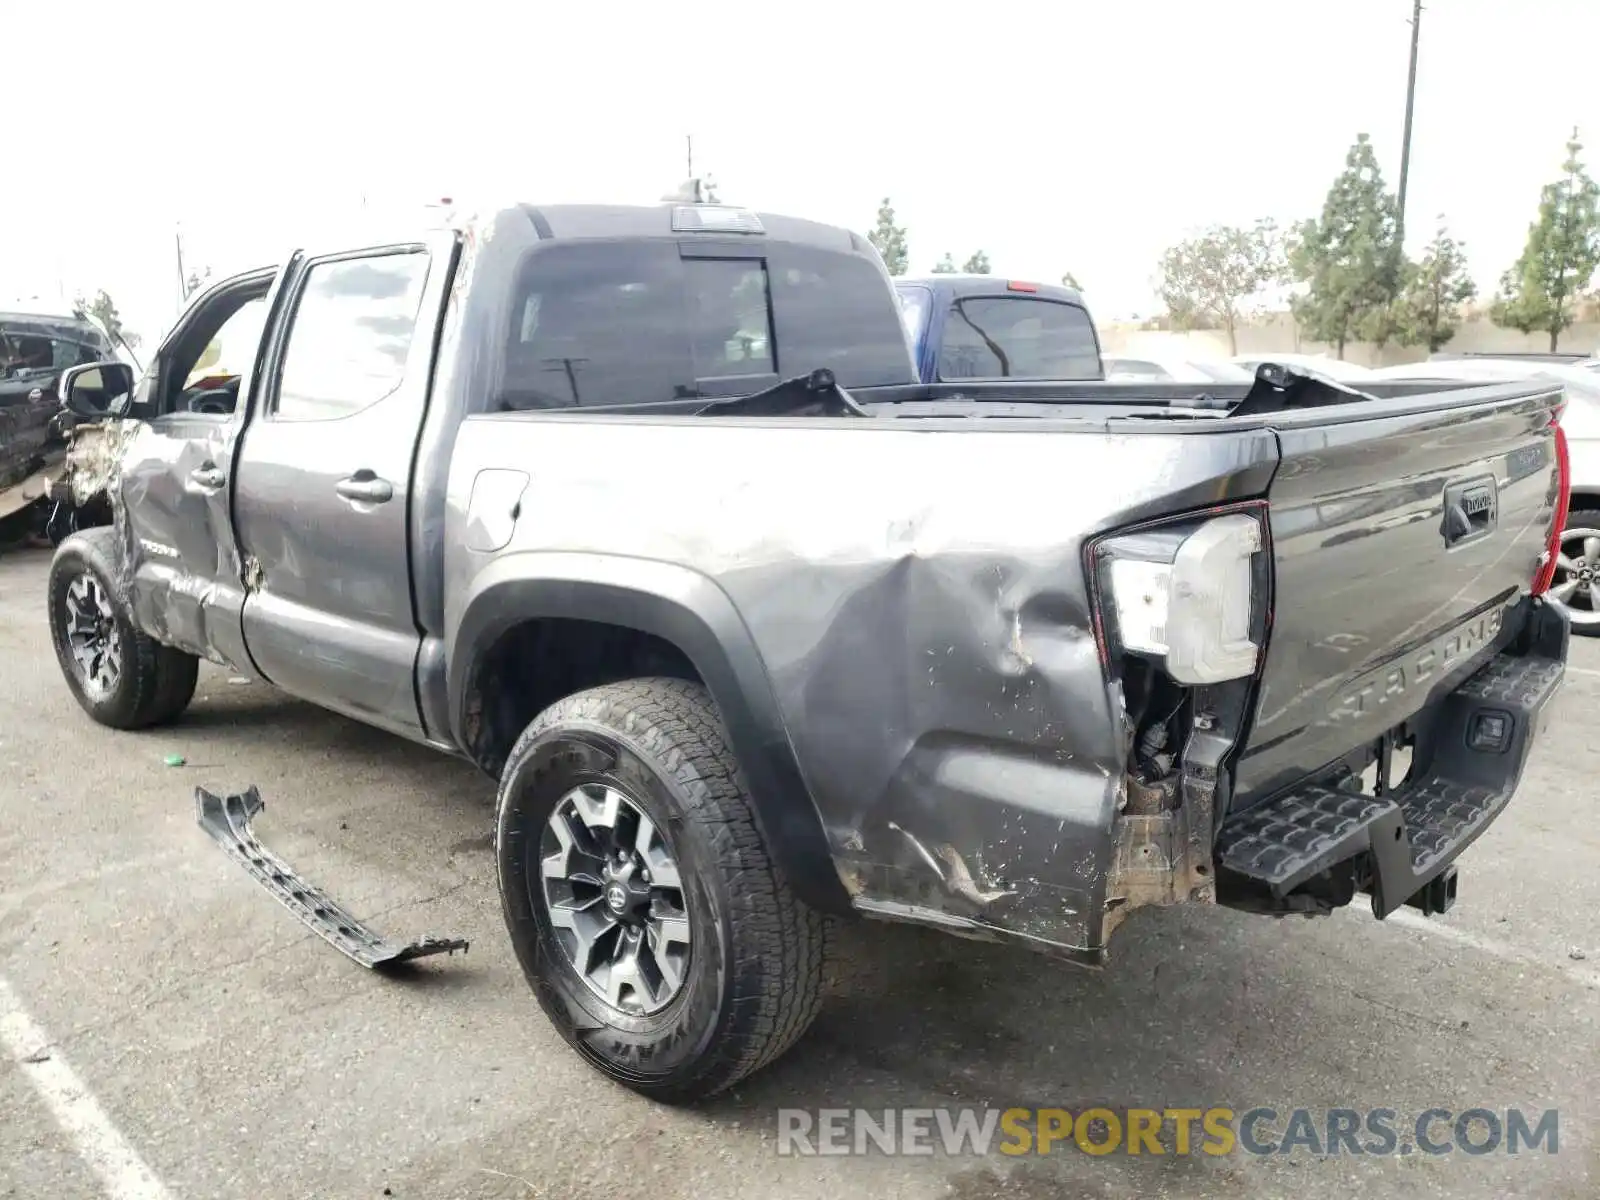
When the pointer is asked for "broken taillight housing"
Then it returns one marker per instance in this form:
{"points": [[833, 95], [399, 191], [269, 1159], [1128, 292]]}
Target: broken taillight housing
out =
{"points": [[1558, 524], [1190, 595]]}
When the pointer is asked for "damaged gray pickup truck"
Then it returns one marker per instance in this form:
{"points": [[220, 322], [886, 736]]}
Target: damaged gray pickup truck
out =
{"points": [[643, 511]]}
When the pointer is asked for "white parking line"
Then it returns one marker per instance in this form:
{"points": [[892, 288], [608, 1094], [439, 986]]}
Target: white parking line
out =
{"points": [[1589, 671], [122, 1172], [1490, 946]]}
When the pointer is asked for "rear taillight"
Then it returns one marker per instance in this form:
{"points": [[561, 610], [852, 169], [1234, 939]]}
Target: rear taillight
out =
{"points": [[1558, 524], [1189, 596]]}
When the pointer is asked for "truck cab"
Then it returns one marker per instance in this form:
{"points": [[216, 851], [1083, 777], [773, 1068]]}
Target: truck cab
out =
{"points": [[980, 327]]}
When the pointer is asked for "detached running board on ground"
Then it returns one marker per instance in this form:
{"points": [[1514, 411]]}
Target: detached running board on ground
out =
{"points": [[227, 820]]}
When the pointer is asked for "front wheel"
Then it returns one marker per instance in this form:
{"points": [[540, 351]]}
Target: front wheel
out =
{"points": [[119, 675], [642, 902]]}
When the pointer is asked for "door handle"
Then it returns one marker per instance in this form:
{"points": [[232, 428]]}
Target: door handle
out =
{"points": [[208, 476], [365, 487]]}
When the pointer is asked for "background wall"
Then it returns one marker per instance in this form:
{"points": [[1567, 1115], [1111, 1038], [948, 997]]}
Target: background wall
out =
{"points": [[1279, 332]]}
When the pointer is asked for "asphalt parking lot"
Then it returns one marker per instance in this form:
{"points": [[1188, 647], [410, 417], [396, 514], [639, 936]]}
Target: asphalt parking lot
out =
{"points": [[169, 1028]]}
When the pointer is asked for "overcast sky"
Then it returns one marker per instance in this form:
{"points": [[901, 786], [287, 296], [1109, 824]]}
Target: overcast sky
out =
{"points": [[1062, 135]]}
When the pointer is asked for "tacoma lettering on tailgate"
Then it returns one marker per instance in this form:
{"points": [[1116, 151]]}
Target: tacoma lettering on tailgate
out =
{"points": [[1396, 678]]}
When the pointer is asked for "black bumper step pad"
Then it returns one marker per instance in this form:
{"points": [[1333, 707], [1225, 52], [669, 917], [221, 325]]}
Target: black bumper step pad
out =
{"points": [[1414, 833]]}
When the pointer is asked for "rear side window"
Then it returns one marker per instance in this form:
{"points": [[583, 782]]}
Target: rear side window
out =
{"points": [[350, 335], [626, 323], [1005, 337]]}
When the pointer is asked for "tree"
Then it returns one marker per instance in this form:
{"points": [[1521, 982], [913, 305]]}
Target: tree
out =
{"points": [[945, 266], [978, 264], [1070, 280], [104, 310], [1435, 289], [1541, 290], [1349, 256], [1212, 276], [890, 240]]}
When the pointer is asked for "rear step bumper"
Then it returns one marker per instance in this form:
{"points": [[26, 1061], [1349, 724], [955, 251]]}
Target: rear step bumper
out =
{"points": [[1485, 730]]}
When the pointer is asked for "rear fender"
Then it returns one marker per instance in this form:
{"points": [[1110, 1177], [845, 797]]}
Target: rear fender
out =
{"points": [[683, 607]]}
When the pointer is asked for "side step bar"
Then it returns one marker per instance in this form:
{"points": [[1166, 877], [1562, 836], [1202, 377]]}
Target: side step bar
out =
{"points": [[227, 819], [1485, 730]]}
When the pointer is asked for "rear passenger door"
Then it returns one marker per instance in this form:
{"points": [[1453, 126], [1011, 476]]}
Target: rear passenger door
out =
{"points": [[324, 481]]}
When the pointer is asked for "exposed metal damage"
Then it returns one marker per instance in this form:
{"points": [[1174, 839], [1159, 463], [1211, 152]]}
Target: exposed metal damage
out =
{"points": [[94, 456]]}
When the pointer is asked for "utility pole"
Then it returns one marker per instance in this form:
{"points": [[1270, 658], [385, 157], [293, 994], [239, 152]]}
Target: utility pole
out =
{"points": [[1405, 137]]}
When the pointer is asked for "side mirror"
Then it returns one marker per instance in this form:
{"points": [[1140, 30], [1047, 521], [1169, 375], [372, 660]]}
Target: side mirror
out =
{"points": [[97, 390]]}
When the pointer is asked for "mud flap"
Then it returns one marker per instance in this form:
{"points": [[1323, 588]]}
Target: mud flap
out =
{"points": [[227, 819]]}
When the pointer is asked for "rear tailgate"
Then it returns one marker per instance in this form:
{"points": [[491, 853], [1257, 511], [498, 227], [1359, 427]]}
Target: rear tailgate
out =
{"points": [[1405, 532]]}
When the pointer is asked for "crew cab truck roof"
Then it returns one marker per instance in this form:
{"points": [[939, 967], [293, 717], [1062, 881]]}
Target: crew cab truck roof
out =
{"points": [[1006, 657], [969, 327]]}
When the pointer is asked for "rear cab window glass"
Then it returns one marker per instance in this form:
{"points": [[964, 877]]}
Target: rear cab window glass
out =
{"points": [[837, 311], [1007, 337], [597, 324], [350, 335], [645, 322], [730, 325]]}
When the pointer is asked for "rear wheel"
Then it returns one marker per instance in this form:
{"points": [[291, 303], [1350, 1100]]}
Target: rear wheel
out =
{"points": [[646, 911], [1576, 587], [120, 676]]}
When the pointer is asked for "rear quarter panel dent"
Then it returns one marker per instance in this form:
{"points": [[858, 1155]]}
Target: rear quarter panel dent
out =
{"points": [[917, 601]]}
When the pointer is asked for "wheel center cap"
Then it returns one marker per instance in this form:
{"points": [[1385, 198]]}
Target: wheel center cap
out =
{"points": [[616, 897]]}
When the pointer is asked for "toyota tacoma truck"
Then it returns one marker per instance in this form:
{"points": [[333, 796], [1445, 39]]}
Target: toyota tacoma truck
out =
{"points": [[645, 512]]}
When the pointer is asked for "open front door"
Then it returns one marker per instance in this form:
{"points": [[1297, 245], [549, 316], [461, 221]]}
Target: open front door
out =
{"points": [[177, 461]]}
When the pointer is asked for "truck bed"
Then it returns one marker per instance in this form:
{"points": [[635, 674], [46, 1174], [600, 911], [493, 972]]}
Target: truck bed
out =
{"points": [[916, 590]]}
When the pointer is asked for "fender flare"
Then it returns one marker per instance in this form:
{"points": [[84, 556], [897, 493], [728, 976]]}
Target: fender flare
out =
{"points": [[689, 610]]}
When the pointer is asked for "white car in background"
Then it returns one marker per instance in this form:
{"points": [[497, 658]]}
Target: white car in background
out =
{"points": [[1577, 580], [1316, 364], [1165, 368]]}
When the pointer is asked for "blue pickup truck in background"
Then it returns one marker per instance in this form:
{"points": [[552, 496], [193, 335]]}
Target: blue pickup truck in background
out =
{"points": [[971, 327]]}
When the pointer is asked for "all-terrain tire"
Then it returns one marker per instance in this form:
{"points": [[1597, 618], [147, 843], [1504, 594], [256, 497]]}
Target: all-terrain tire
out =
{"points": [[154, 683], [754, 979]]}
